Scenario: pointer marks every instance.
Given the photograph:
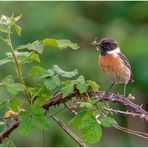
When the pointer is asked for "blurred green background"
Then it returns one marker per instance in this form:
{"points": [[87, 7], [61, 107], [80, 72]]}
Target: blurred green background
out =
{"points": [[81, 22]]}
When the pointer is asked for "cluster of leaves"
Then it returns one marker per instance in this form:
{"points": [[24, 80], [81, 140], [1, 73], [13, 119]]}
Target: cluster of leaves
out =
{"points": [[26, 100]]}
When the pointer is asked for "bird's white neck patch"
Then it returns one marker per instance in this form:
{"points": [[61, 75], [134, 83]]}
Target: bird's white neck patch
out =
{"points": [[114, 52]]}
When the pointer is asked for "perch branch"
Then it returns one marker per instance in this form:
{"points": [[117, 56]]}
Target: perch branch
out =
{"points": [[6, 132], [58, 99], [137, 109]]}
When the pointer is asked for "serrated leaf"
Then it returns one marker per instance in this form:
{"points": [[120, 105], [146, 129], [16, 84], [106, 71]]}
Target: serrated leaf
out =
{"points": [[82, 87], [35, 46], [86, 104], [63, 73], [40, 121], [107, 121], [15, 88], [4, 61], [3, 108], [93, 84], [39, 73], [91, 130], [21, 56], [12, 87], [61, 44], [67, 90], [50, 42], [77, 120], [14, 104], [26, 126], [67, 44], [35, 57], [52, 82], [92, 133]]}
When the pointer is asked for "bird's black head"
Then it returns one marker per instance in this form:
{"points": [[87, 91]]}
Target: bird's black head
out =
{"points": [[105, 45]]}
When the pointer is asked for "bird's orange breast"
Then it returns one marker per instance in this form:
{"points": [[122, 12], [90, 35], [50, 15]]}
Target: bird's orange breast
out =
{"points": [[113, 66]]}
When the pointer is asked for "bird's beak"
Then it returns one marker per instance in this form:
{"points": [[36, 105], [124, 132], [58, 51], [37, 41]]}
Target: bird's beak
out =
{"points": [[94, 43]]}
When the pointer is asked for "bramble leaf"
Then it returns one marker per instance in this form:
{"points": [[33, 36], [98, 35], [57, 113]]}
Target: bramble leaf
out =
{"points": [[86, 104], [12, 87], [67, 90], [82, 87], [14, 104], [52, 82], [63, 73], [92, 133], [40, 121], [26, 126], [35, 57], [35, 46], [93, 84], [4, 61], [61, 44], [107, 121], [39, 73]]}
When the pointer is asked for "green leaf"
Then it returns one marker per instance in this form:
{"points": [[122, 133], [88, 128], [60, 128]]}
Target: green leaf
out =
{"points": [[12, 87], [35, 46], [4, 61], [40, 121], [14, 104], [3, 108], [77, 120], [26, 126], [93, 84], [91, 130], [61, 44], [50, 42], [92, 133], [52, 82], [63, 73], [35, 57], [86, 104], [82, 87], [67, 90], [107, 121], [39, 73]]}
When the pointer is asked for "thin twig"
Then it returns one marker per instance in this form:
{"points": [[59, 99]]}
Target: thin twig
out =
{"points": [[44, 138], [125, 112], [137, 133], [68, 131]]}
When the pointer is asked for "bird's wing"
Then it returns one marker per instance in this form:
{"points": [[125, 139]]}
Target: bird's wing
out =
{"points": [[126, 63]]}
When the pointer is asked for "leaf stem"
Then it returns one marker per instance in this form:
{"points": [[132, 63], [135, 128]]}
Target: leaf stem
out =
{"points": [[17, 64]]}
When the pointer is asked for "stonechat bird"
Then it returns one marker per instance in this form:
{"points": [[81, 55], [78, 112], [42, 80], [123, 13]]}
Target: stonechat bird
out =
{"points": [[113, 62]]}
